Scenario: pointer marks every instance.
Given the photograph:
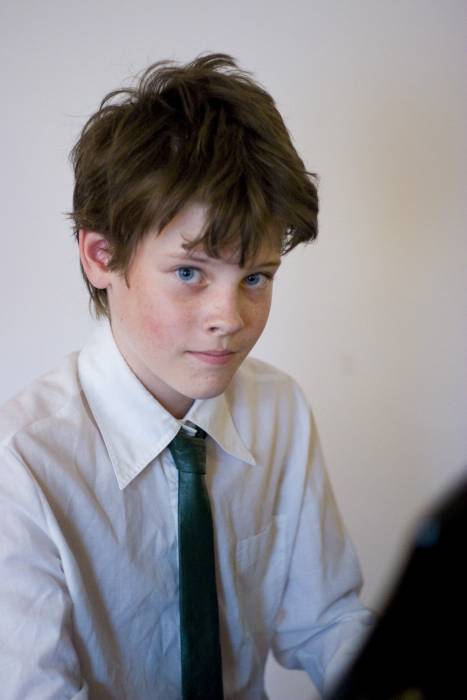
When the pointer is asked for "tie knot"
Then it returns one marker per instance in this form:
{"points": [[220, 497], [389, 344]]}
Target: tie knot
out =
{"points": [[189, 453]]}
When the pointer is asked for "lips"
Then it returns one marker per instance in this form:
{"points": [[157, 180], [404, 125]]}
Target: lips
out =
{"points": [[216, 352], [213, 357]]}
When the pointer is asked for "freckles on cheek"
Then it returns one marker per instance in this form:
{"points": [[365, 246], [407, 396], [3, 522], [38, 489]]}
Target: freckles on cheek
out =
{"points": [[153, 327], [260, 318], [158, 329]]}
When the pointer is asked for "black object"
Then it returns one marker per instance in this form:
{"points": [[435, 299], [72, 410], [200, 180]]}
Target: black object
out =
{"points": [[417, 650]]}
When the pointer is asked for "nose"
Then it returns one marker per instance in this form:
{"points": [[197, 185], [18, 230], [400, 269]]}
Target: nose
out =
{"points": [[224, 313]]}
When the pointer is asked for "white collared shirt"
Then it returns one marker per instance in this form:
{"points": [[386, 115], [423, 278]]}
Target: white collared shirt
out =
{"points": [[88, 536]]}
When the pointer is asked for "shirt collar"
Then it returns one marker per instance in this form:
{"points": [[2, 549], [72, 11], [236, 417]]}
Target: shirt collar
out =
{"points": [[133, 424]]}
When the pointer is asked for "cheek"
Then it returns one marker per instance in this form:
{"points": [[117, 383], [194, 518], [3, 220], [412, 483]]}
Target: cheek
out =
{"points": [[259, 315], [165, 326], [155, 327]]}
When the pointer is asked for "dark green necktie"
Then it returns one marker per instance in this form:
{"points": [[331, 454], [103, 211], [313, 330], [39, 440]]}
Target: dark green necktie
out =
{"points": [[199, 619]]}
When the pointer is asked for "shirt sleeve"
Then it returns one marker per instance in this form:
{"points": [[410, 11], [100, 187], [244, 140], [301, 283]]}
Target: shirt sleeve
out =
{"points": [[321, 623], [37, 657]]}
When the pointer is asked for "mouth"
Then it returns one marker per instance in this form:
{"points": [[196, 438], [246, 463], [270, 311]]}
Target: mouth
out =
{"points": [[213, 357]]}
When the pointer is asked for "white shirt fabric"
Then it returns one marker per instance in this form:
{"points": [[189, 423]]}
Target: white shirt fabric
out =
{"points": [[88, 536]]}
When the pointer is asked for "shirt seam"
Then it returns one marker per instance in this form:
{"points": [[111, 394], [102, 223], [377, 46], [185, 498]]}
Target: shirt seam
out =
{"points": [[37, 489], [36, 424]]}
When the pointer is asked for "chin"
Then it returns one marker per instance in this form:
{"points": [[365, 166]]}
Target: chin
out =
{"points": [[210, 391]]}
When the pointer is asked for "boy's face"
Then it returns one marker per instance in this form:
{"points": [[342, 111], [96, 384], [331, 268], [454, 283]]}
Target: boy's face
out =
{"points": [[186, 321]]}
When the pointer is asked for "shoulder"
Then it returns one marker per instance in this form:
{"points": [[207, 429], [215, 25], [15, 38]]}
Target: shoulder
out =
{"points": [[274, 419], [259, 375], [40, 403], [261, 371], [262, 388]]}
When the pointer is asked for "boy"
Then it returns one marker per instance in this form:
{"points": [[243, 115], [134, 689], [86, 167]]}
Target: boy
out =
{"points": [[187, 193]]}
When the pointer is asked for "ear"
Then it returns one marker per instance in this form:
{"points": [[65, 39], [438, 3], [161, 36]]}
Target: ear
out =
{"points": [[94, 251]]}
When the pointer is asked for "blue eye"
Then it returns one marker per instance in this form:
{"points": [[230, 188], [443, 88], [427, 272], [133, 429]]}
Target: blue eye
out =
{"points": [[256, 279], [187, 274]]}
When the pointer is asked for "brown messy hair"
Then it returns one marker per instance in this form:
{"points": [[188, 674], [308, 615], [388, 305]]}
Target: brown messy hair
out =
{"points": [[204, 131]]}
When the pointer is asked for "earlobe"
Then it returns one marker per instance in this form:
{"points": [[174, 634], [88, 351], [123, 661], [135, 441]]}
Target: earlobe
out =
{"points": [[95, 254]]}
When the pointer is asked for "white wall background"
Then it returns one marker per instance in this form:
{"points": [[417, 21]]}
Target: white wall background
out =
{"points": [[372, 318]]}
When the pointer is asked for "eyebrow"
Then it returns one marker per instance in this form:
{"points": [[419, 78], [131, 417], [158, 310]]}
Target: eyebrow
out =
{"points": [[205, 259]]}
